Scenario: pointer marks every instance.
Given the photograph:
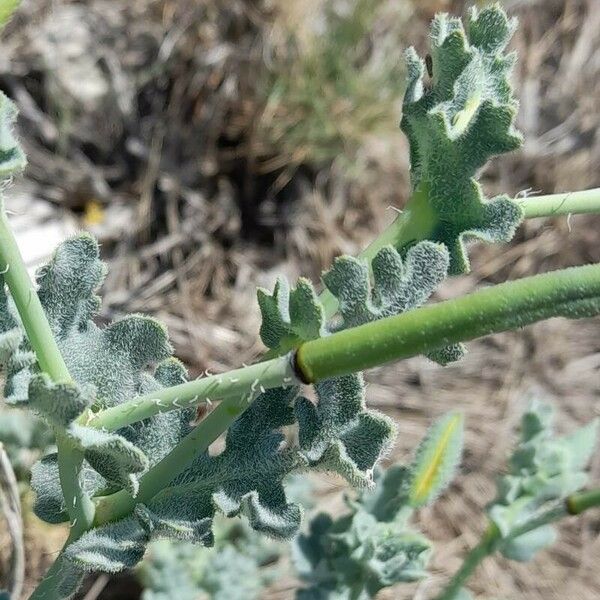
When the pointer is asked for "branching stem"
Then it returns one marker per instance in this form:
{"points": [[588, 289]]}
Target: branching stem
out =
{"points": [[574, 504], [40, 336], [571, 292]]}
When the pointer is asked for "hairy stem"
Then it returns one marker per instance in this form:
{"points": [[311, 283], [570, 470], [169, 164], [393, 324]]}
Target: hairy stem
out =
{"points": [[572, 292], [239, 382], [586, 201], [195, 443], [574, 504], [40, 336]]}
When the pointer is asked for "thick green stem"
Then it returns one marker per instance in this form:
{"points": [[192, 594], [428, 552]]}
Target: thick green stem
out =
{"points": [[574, 504], [586, 201], [210, 428], [40, 336], [571, 292]]}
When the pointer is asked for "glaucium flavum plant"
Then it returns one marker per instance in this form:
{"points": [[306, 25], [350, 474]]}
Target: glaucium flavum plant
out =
{"points": [[129, 467]]}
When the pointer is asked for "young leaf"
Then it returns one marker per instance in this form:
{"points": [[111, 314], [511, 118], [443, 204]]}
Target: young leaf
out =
{"points": [[398, 285], [290, 316], [456, 124], [111, 455], [436, 459]]}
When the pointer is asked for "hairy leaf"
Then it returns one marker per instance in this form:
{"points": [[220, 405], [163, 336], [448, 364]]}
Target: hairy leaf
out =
{"points": [[339, 434], [110, 548], [59, 403], [246, 478], [373, 546], [111, 455], [456, 123], [436, 460], [290, 316], [543, 468]]}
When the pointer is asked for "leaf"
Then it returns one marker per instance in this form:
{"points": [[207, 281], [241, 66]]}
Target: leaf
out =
{"points": [[526, 546], [339, 434], [290, 316], [390, 494], [247, 477], [436, 459], [12, 159], [110, 548], [398, 285], [111, 455], [59, 403], [199, 532], [581, 444], [49, 503], [456, 124]]}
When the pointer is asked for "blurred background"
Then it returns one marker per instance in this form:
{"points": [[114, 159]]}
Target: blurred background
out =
{"points": [[211, 146]]}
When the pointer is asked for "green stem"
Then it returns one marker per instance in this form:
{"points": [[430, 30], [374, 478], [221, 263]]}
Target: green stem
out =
{"points": [[28, 304], [573, 293], [40, 336], [484, 548], [416, 222], [195, 443], [574, 504], [586, 201], [269, 374]]}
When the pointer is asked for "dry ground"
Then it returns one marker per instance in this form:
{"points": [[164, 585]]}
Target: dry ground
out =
{"points": [[198, 269]]}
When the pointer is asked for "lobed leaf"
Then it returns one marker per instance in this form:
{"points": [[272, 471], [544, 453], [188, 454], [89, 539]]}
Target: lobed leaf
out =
{"points": [[456, 123], [290, 317], [543, 468], [339, 434]]}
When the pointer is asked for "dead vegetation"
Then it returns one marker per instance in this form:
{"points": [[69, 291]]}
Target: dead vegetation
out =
{"points": [[210, 148]]}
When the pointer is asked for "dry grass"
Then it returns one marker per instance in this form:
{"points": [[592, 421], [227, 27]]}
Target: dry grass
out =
{"points": [[208, 227]]}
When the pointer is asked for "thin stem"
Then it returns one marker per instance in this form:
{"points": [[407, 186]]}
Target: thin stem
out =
{"points": [[195, 443], [586, 201], [41, 338], [574, 504], [484, 548], [573, 293], [28, 304], [239, 382]]}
